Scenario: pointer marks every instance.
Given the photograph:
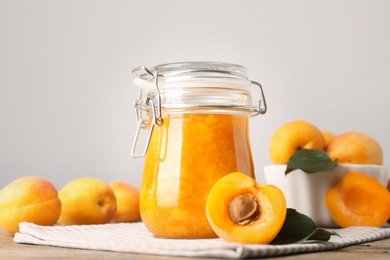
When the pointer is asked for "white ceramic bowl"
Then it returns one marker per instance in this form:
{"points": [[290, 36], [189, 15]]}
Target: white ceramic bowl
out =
{"points": [[305, 192]]}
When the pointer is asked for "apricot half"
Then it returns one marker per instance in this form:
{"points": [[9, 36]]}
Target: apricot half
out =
{"points": [[241, 210], [358, 200]]}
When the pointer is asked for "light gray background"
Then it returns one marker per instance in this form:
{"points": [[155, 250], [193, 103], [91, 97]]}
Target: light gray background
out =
{"points": [[66, 89]]}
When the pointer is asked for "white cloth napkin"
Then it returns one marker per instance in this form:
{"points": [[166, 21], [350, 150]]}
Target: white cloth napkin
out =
{"points": [[135, 238]]}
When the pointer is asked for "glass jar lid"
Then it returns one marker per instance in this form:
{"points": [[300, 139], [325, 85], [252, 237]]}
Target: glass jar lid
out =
{"points": [[187, 86], [192, 87]]}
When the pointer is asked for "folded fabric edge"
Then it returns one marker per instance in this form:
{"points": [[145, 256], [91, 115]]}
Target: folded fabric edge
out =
{"points": [[365, 234], [233, 253]]}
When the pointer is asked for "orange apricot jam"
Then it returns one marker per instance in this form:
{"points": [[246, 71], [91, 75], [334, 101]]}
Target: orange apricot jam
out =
{"points": [[187, 154]]}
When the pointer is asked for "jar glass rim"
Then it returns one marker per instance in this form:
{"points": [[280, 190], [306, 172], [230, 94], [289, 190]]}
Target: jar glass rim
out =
{"points": [[184, 68]]}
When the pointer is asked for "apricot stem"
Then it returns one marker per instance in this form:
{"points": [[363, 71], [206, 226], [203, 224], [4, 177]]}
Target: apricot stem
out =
{"points": [[244, 209]]}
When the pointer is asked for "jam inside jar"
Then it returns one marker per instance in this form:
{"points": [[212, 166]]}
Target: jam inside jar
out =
{"points": [[196, 118]]}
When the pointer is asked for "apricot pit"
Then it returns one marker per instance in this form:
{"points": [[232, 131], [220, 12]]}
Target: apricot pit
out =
{"points": [[244, 209], [241, 210]]}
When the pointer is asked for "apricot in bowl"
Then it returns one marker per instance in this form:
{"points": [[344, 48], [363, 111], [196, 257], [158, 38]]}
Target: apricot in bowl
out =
{"points": [[241, 210], [358, 200], [292, 136], [306, 192]]}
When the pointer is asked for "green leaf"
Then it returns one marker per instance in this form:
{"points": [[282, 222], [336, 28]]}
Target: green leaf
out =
{"points": [[310, 161], [322, 235], [298, 228]]}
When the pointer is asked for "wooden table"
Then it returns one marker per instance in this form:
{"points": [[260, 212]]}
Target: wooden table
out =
{"points": [[10, 250]]}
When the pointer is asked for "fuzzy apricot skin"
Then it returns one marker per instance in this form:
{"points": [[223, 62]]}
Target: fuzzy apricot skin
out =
{"points": [[261, 231], [292, 136], [127, 202], [355, 148], [28, 199], [87, 201], [358, 200]]}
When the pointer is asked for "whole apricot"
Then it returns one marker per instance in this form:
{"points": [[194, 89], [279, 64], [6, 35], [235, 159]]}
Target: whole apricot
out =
{"points": [[355, 148], [292, 136], [87, 201], [28, 199], [241, 210], [358, 200], [127, 201], [328, 136]]}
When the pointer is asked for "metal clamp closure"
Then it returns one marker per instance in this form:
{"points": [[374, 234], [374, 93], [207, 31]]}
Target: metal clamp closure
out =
{"points": [[143, 106], [262, 105]]}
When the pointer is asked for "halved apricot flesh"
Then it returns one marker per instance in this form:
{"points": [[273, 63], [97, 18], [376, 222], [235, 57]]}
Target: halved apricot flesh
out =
{"points": [[358, 200], [241, 210]]}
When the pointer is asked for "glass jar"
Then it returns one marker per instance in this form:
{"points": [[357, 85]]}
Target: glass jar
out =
{"points": [[195, 118]]}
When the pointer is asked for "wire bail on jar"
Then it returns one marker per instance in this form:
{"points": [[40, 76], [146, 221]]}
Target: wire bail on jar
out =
{"points": [[142, 106], [260, 109], [148, 108]]}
